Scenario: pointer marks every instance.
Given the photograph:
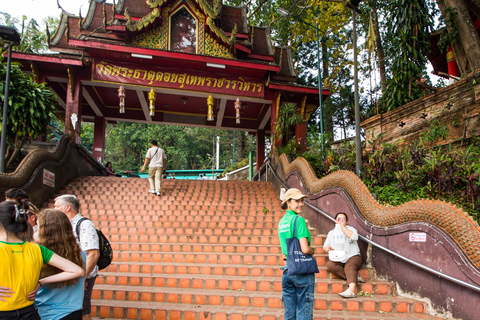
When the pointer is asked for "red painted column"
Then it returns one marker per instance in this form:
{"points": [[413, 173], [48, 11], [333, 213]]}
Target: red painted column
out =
{"points": [[99, 139], [260, 148], [74, 105], [301, 137], [452, 64], [301, 131]]}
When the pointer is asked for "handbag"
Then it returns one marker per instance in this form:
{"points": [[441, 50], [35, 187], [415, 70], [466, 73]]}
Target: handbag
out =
{"points": [[298, 263], [336, 255]]}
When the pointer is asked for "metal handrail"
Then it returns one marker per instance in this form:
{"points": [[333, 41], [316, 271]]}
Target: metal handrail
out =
{"points": [[419, 265]]}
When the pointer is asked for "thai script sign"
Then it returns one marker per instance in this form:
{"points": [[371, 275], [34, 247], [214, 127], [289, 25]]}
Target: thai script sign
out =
{"points": [[176, 79], [418, 237], [48, 178]]}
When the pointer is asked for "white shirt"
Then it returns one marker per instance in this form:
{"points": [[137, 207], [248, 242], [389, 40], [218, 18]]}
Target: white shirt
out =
{"points": [[88, 237], [350, 246], [156, 156]]}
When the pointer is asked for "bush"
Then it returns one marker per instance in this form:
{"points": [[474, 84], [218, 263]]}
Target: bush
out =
{"points": [[398, 173]]}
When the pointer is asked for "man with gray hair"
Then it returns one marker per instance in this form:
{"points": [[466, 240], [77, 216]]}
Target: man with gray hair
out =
{"points": [[88, 241]]}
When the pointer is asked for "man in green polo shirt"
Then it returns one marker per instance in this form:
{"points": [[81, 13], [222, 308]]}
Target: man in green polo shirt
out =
{"points": [[297, 290]]}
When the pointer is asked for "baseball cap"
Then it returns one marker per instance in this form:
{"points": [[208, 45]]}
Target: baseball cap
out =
{"points": [[293, 193]]}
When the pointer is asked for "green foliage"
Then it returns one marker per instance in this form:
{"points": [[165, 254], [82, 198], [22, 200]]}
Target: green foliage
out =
{"points": [[411, 42], [242, 163], [398, 173], [33, 37], [288, 118], [449, 35], [436, 131], [29, 111], [185, 147]]}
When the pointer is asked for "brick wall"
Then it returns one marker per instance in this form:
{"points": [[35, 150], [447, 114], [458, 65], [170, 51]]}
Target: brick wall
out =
{"points": [[456, 106]]}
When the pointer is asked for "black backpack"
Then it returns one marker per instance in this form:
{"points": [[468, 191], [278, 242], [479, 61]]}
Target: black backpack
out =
{"points": [[106, 252]]}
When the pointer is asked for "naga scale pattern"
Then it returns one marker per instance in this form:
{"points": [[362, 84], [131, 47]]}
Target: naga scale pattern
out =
{"points": [[457, 223]]}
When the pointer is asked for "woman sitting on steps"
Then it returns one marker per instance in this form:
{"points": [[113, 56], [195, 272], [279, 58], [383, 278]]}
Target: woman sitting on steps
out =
{"points": [[344, 238]]}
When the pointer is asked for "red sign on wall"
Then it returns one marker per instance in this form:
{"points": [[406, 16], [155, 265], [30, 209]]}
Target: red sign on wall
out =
{"points": [[176, 79]]}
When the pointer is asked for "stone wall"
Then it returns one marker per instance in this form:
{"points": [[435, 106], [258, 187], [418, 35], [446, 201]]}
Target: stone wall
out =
{"points": [[456, 106]]}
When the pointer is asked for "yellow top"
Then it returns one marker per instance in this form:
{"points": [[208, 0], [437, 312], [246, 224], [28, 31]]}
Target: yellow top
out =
{"points": [[20, 268]]}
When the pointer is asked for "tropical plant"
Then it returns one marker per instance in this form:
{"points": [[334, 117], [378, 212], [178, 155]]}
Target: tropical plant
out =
{"points": [[30, 106]]}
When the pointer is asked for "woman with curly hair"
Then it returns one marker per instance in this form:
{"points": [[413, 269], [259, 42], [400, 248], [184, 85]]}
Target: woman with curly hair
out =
{"points": [[60, 300], [21, 265]]}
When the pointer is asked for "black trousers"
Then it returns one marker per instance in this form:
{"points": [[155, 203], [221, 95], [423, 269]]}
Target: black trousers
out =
{"points": [[27, 313]]}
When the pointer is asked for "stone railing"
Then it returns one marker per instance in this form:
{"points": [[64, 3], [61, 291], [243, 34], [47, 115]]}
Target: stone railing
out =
{"points": [[433, 233], [42, 173]]}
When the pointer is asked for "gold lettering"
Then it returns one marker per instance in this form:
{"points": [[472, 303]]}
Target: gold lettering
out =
{"points": [[174, 77], [246, 86], [259, 85], [124, 71], [201, 81], [159, 76], [130, 73], [100, 67], [192, 81], [181, 79], [115, 71], [240, 83], [220, 82], [151, 76], [228, 84], [209, 81], [234, 83], [166, 77], [108, 69], [136, 73]]}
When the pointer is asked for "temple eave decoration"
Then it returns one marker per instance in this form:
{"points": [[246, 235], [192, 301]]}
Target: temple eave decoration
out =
{"points": [[143, 22], [155, 3], [211, 12], [220, 33]]}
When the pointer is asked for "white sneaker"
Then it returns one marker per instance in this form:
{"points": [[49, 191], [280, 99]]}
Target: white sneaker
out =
{"points": [[151, 191], [347, 294], [159, 193]]}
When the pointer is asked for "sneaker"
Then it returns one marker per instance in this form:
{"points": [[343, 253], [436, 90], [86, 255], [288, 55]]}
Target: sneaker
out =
{"points": [[159, 193], [347, 294], [151, 191]]}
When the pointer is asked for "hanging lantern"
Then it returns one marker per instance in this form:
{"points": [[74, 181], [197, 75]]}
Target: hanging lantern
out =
{"points": [[121, 96], [237, 110], [152, 97], [210, 108]]}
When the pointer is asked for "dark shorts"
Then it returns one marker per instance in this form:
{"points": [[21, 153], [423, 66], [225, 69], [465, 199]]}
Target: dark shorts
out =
{"points": [[27, 313], [87, 297], [76, 315]]}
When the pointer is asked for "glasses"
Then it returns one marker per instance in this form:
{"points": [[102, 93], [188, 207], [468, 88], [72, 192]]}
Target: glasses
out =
{"points": [[340, 219]]}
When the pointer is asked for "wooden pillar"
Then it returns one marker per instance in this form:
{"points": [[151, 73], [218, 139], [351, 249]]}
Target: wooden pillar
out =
{"points": [[99, 139], [260, 148], [73, 105]]}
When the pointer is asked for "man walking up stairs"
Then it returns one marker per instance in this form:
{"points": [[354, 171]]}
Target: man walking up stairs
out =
{"points": [[209, 250]]}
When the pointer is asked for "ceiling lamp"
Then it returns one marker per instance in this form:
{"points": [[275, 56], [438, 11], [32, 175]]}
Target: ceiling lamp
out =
{"points": [[152, 97], [121, 96], [210, 108], [237, 110]]}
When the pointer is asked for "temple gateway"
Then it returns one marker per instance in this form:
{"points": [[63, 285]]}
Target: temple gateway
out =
{"points": [[186, 62]]}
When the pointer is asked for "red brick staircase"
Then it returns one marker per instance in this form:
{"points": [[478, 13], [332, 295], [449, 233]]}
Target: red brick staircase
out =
{"points": [[209, 250]]}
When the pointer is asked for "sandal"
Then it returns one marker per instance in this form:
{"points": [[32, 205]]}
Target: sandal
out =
{"points": [[347, 294]]}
